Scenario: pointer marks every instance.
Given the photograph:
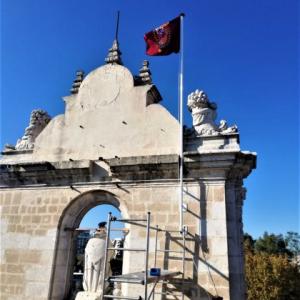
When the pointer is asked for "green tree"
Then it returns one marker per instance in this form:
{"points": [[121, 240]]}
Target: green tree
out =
{"points": [[271, 277], [271, 274], [248, 243], [292, 240], [272, 244]]}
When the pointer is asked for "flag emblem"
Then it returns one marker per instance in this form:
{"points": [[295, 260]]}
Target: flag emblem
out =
{"points": [[164, 39], [163, 35]]}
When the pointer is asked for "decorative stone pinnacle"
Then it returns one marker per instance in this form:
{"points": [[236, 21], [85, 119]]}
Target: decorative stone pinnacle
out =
{"points": [[77, 82], [114, 54], [145, 73]]}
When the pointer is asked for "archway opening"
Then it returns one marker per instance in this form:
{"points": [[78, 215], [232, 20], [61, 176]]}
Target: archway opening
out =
{"points": [[65, 246]]}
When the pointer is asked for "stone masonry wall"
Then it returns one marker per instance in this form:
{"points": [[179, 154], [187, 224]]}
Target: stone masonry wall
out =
{"points": [[30, 218]]}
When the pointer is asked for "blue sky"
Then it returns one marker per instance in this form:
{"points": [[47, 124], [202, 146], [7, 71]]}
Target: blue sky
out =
{"points": [[244, 54]]}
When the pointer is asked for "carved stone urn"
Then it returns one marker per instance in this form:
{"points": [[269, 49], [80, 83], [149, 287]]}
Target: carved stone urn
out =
{"points": [[204, 115]]}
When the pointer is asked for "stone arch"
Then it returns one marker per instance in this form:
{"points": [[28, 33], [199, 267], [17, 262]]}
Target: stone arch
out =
{"points": [[64, 246]]}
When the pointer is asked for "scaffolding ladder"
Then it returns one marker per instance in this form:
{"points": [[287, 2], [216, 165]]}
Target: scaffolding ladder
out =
{"points": [[144, 277]]}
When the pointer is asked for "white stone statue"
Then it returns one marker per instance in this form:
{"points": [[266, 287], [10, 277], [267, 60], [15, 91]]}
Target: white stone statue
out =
{"points": [[94, 265], [38, 121], [204, 114]]}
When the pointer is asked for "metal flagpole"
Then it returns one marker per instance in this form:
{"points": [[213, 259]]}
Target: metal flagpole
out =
{"points": [[181, 121], [117, 26]]}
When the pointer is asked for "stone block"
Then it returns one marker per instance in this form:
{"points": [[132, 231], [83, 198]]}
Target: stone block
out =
{"points": [[11, 228], [14, 279], [46, 219], [36, 219], [216, 211], [14, 268], [41, 243], [53, 209], [7, 199], [217, 246], [36, 288], [54, 200], [23, 209], [139, 207], [42, 209], [19, 289], [37, 273], [17, 219], [88, 296], [17, 198], [30, 256], [5, 210], [20, 229], [12, 256], [40, 232], [32, 209], [216, 228], [55, 219], [26, 219], [4, 290], [218, 193], [161, 218]]}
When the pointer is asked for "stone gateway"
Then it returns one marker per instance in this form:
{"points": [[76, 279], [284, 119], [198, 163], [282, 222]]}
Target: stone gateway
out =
{"points": [[116, 144]]}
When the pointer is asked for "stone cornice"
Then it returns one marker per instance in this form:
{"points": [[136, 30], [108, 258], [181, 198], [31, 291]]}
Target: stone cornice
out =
{"points": [[221, 165], [66, 172]]}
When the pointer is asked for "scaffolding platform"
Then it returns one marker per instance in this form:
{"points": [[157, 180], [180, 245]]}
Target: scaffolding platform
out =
{"points": [[143, 277], [139, 277]]}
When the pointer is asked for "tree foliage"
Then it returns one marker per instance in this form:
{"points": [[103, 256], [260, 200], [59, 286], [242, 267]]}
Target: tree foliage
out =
{"points": [[272, 244], [271, 271], [292, 240]]}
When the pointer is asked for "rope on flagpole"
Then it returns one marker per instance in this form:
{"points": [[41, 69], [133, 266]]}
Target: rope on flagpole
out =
{"points": [[181, 123]]}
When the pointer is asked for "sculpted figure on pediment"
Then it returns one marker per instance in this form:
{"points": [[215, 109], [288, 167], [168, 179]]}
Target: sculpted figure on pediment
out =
{"points": [[204, 114], [38, 121]]}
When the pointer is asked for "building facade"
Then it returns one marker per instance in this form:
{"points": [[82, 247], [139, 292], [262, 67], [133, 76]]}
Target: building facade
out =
{"points": [[115, 144]]}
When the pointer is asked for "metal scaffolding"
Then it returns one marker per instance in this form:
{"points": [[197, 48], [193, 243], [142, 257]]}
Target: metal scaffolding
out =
{"points": [[143, 277]]}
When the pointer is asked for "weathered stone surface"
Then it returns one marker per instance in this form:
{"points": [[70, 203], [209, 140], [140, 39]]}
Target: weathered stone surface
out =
{"points": [[87, 296], [107, 96], [115, 145]]}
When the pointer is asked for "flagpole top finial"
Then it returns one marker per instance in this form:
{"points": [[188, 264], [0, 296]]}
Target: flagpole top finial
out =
{"points": [[182, 15]]}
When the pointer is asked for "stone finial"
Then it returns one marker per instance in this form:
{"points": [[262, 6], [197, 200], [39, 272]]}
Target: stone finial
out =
{"points": [[204, 114], [38, 121], [114, 54], [145, 73], [77, 82]]}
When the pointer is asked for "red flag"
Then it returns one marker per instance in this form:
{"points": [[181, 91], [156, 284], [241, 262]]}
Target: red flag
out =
{"points": [[165, 39]]}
